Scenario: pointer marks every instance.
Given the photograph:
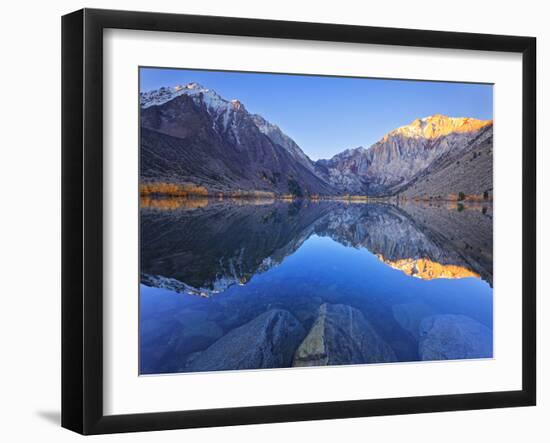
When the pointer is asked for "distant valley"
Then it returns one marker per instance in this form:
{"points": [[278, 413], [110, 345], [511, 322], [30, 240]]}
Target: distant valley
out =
{"points": [[193, 140]]}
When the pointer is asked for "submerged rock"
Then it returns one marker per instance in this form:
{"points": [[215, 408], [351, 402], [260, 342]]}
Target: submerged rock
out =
{"points": [[449, 337], [341, 335], [268, 341], [409, 316]]}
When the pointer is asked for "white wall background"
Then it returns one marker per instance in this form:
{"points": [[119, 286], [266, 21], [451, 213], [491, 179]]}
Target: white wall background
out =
{"points": [[30, 219]]}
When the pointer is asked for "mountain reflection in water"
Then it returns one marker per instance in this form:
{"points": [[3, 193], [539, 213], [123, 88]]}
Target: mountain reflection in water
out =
{"points": [[266, 284]]}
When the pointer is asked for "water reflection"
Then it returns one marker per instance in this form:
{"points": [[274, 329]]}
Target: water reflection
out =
{"points": [[305, 283], [167, 204]]}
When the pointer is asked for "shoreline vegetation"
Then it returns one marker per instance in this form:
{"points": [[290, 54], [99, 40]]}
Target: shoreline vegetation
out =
{"points": [[170, 196]]}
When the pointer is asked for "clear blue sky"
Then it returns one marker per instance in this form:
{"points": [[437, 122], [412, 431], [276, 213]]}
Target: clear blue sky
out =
{"points": [[326, 115]]}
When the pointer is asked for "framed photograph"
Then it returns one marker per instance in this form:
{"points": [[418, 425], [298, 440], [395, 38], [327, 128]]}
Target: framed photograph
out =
{"points": [[269, 221]]}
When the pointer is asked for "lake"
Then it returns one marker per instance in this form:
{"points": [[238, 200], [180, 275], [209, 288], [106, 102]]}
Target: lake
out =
{"points": [[245, 284]]}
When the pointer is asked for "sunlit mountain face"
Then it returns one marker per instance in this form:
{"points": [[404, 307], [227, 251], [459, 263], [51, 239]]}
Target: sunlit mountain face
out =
{"points": [[438, 125]]}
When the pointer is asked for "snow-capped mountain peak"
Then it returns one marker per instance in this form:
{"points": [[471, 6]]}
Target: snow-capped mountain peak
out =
{"points": [[224, 114], [167, 93], [221, 110]]}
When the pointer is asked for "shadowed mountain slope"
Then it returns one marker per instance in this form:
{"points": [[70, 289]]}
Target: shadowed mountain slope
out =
{"points": [[211, 142]]}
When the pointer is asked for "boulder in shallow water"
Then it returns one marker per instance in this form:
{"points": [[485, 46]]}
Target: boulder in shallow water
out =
{"points": [[450, 337], [342, 335], [268, 341]]}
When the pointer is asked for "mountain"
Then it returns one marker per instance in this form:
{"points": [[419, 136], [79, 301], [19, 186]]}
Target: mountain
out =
{"points": [[279, 137], [410, 154], [189, 134], [468, 170]]}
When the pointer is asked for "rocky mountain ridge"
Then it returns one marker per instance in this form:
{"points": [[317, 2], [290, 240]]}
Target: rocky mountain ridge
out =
{"points": [[223, 112], [390, 165], [192, 134]]}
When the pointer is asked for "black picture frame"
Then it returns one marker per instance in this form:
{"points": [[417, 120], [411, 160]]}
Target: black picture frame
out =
{"points": [[82, 220]]}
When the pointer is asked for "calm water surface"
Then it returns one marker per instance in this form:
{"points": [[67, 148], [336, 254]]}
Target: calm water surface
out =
{"points": [[243, 285]]}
